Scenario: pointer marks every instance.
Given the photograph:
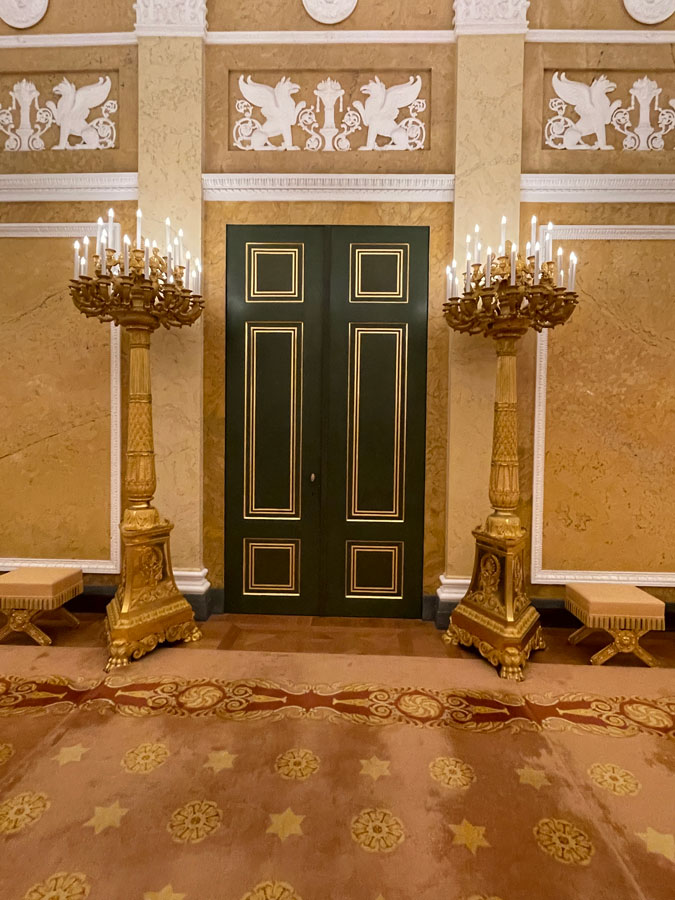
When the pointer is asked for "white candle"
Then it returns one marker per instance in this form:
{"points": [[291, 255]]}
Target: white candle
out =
{"points": [[167, 230], [560, 277], [198, 277], [186, 276], [549, 238], [76, 259], [83, 266], [479, 250], [514, 260], [467, 285], [502, 242], [528, 250], [146, 265], [126, 254], [104, 244], [169, 262], [475, 243], [573, 272], [85, 241], [533, 230], [500, 251], [111, 233], [454, 269], [488, 267], [537, 262], [559, 267], [99, 231], [176, 252], [139, 217], [181, 258], [448, 282]]}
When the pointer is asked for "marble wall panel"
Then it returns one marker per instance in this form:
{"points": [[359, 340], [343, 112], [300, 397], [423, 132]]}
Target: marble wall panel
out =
{"points": [[439, 219], [434, 63], [46, 67], [610, 14], [625, 64], [282, 15], [75, 16], [55, 440]]}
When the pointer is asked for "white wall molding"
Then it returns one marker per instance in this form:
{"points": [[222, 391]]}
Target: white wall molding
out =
{"points": [[491, 16], [452, 589], [598, 36], [192, 581], [90, 39], [97, 566], [561, 576], [69, 186], [331, 37], [261, 187], [571, 188], [170, 18]]}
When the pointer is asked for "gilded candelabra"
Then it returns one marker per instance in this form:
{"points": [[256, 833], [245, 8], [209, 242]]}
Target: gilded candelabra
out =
{"points": [[502, 300], [140, 290]]}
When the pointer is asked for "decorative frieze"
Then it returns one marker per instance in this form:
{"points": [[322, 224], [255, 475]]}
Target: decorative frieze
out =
{"points": [[585, 118], [329, 12], [28, 125], [491, 16], [270, 117], [22, 13], [650, 12], [171, 18]]}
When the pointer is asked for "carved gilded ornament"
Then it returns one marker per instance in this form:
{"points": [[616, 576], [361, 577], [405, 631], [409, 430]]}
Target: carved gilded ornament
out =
{"points": [[650, 12], [22, 13], [491, 16], [272, 112], [329, 12], [644, 122]]}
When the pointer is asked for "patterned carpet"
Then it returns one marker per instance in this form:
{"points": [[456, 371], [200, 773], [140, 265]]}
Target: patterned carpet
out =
{"points": [[196, 787]]}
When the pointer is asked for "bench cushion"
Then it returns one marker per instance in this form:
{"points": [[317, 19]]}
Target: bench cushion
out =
{"points": [[39, 587], [620, 606]]}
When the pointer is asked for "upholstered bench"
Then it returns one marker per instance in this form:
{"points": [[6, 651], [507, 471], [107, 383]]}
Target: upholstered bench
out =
{"points": [[27, 592], [623, 610]]}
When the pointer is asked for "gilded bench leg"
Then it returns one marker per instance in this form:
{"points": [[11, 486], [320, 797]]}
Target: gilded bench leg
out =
{"points": [[624, 642], [69, 617], [606, 653], [580, 634], [21, 620]]}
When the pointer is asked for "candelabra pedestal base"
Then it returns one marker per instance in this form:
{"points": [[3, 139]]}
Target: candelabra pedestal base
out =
{"points": [[148, 608], [496, 616]]}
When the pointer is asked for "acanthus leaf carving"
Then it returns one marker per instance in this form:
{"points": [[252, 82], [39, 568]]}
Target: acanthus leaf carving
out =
{"points": [[379, 114]]}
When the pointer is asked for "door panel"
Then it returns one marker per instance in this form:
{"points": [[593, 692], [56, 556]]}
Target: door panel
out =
{"points": [[326, 386]]}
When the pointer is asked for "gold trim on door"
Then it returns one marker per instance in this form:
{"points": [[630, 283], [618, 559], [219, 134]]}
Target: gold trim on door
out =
{"points": [[296, 292], [354, 549], [253, 549], [251, 509], [358, 255], [356, 336]]}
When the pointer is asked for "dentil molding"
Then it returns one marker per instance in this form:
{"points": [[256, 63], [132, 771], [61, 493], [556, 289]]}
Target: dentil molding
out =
{"points": [[275, 187], [650, 12], [170, 18], [329, 12], [22, 13], [491, 16]]}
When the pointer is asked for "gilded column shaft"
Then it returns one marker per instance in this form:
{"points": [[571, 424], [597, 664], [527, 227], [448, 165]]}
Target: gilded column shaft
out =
{"points": [[140, 478], [504, 479]]}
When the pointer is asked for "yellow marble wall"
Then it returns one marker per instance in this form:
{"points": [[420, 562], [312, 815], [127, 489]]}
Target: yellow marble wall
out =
{"points": [[55, 439], [566, 14], [47, 66], [623, 64], [393, 62], [282, 15], [169, 180], [438, 217], [68, 16]]}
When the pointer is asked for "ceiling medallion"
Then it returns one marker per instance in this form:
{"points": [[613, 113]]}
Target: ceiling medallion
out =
{"points": [[650, 12], [329, 12], [22, 13]]}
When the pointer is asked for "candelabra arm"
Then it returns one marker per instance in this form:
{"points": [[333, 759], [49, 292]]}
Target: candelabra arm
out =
{"points": [[141, 480]]}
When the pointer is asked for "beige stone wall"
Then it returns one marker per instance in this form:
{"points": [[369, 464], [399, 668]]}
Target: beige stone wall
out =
{"points": [[438, 217], [394, 63], [610, 14], [68, 16], [83, 65]]}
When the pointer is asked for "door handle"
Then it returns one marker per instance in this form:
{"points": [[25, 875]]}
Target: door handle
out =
{"points": [[312, 477]]}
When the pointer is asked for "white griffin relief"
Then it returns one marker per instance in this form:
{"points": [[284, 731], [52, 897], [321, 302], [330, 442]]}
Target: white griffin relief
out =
{"points": [[644, 122], [25, 122], [379, 115]]}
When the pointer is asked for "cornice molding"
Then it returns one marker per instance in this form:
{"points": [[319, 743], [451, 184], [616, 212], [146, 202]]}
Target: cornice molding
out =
{"points": [[333, 188], [563, 576], [170, 18], [491, 16], [69, 186], [330, 37], [47, 229], [608, 36], [573, 188]]}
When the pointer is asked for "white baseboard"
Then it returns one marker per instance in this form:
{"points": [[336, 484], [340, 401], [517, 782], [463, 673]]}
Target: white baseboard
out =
{"points": [[192, 581], [452, 589]]}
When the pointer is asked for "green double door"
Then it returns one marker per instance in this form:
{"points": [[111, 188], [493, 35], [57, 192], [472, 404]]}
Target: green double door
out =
{"points": [[325, 411]]}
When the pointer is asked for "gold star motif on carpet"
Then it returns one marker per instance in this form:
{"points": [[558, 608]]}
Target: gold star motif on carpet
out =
{"points": [[285, 824], [70, 754], [659, 843], [470, 836], [534, 777], [167, 893], [219, 760], [375, 767], [106, 817]]}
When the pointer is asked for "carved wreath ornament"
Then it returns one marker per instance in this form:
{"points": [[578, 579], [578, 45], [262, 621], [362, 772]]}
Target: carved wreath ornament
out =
{"points": [[650, 12], [22, 13], [329, 12], [271, 113]]}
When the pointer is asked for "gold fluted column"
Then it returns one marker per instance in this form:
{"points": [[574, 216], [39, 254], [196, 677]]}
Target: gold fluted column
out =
{"points": [[488, 117], [141, 480], [504, 469]]}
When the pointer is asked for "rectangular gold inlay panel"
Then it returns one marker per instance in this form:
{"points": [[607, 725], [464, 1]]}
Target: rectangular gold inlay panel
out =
{"points": [[275, 272], [379, 273], [373, 559], [283, 559]]}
